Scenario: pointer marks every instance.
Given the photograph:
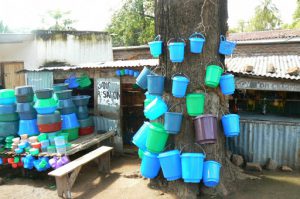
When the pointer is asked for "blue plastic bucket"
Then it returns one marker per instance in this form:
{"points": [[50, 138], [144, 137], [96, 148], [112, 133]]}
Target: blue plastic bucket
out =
{"points": [[118, 73], [231, 125], [192, 167], [176, 50], [69, 121], [150, 165], [136, 73], [72, 81], [126, 71], [131, 72], [45, 110], [227, 84], [197, 41], [140, 138], [141, 80], [179, 86], [155, 84], [155, 109], [211, 173], [156, 46], [28, 127], [226, 47], [173, 122], [171, 164]]}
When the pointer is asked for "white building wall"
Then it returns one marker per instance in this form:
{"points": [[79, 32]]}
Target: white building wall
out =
{"points": [[70, 49]]}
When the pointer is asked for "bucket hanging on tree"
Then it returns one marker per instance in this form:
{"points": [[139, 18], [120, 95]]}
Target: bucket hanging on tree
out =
{"points": [[156, 46], [156, 83], [157, 138], [171, 164], [141, 79], [211, 173], [226, 47], [150, 165], [195, 103], [176, 50], [227, 84], [213, 75], [180, 83], [206, 129], [173, 121], [231, 125], [197, 41]]}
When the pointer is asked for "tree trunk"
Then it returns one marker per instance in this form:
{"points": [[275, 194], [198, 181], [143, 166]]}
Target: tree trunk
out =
{"points": [[179, 19]]}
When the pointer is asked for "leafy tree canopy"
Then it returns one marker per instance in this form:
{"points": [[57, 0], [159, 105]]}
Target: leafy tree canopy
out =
{"points": [[58, 20], [296, 16], [133, 24]]}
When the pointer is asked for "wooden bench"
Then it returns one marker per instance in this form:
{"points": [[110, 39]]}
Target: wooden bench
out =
{"points": [[66, 175]]}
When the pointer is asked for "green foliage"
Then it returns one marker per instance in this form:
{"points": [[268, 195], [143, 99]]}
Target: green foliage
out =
{"points": [[266, 17], [296, 17], [241, 27], [3, 28], [133, 24], [58, 20]]}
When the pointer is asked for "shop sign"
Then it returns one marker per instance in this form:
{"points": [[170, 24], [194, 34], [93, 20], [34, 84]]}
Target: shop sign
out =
{"points": [[261, 84]]}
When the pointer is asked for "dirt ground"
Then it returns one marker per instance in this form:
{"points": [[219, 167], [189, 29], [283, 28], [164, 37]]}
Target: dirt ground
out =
{"points": [[124, 182]]}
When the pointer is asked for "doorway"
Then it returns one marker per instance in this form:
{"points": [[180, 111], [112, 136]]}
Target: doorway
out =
{"points": [[9, 76]]}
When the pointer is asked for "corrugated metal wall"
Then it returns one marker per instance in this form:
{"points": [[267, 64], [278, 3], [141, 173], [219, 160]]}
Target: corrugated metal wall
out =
{"points": [[39, 80], [260, 140]]}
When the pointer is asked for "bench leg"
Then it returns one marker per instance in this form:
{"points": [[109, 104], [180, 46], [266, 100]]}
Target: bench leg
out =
{"points": [[65, 183], [104, 163]]}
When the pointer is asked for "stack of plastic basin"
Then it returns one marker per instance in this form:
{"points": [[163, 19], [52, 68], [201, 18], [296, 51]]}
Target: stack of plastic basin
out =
{"points": [[28, 122], [59, 87], [48, 119], [67, 109], [9, 119], [86, 122]]}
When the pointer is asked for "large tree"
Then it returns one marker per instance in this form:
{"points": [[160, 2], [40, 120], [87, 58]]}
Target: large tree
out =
{"points": [[296, 16], [133, 24], [266, 17], [179, 19]]}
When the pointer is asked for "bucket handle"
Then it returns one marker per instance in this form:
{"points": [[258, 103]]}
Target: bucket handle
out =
{"points": [[172, 39], [213, 61], [185, 145], [224, 113], [180, 74], [222, 38], [157, 38], [197, 34], [163, 69], [175, 106]]}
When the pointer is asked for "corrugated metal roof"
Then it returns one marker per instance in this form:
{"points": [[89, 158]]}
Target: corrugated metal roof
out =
{"points": [[281, 64], [108, 64], [263, 35]]}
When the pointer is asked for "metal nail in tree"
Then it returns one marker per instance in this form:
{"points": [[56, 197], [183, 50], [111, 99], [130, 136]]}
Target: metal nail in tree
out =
{"points": [[179, 19]]}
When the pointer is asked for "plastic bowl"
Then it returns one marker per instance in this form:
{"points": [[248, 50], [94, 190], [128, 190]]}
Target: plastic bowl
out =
{"points": [[25, 98], [7, 93], [40, 103], [86, 122], [60, 87], [86, 131], [9, 128], [81, 100], [6, 109], [64, 94], [7, 100], [9, 117], [49, 118], [46, 128], [44, 93], [73, 133], [45, 110], [24, 90]]}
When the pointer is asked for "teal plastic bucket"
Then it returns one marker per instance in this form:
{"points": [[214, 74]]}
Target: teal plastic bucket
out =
{"points": [[140, 138], [226, 47], [141, 80], [179, 85], [155, 109], [197, 41], [192, 167], [176, 50], [150, 165], [211, 173], [171, 164], [155, 84], [231, 125], [156, 46], [227, 84]]}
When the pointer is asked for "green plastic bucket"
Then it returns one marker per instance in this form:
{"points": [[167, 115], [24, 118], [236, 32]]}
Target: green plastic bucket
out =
{"points": [[73, 133], [157, 138], [213, 75], [195, 103], [141, 153]]}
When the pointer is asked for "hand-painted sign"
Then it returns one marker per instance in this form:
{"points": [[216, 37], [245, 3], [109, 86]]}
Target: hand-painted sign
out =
{"points": [[108, 94]]}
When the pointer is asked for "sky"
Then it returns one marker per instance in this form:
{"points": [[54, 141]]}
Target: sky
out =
{"points": [[96, 14]]}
